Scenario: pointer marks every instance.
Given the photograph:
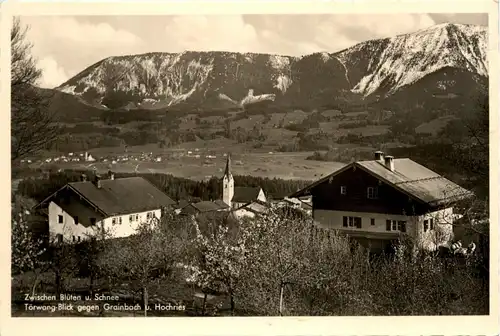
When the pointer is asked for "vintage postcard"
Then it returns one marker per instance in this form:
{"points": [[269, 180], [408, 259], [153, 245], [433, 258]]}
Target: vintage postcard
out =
{"points": [[301, 168]]}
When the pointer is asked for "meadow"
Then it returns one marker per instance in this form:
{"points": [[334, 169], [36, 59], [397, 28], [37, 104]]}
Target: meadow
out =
{"points": [[182, 161]]}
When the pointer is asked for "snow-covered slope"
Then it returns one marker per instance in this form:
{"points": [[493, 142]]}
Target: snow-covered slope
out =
{"points": [[386, 65], [197, 77], [377, 67]]}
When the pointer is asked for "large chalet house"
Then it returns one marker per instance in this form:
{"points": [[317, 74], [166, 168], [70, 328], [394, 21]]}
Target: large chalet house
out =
{"points": [[114, 207], [378, 200]]}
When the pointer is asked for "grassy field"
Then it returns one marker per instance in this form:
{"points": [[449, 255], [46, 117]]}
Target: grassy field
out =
{"points": [[177, 161]]}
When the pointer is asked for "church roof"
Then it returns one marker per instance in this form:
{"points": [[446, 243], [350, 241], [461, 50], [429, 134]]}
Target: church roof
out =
{"points": [[227, 171], [245, 194]]}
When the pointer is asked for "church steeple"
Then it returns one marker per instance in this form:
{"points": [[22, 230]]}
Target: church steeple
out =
{"points": [[227, 171], [228, 183]]}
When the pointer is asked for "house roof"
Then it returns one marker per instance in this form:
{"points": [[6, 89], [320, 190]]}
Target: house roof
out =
{"points": [[221, 204], [182, 204], [278, 196], [305, 206], [121, 196], [256, 206], [205, 206], [409, 177], [245, 194]]}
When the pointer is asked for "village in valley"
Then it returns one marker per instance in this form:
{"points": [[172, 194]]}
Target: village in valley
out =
{"points": [[383, 224]]}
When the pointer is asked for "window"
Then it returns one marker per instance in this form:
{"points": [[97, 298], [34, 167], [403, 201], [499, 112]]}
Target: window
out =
{"points": [[357, 222], [59, 238], [76, 219], [348, 221], [60, 219], [79, 239], [426, 225], [372, 221], [343, 190], [131, 218], [148, 216], [74, 239], [119, 220], [92, 221], [372, 192], [392, 225], [431, 221], [136, 217], [113, 221]]}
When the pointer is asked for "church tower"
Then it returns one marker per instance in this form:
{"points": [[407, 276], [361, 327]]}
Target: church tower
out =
{"points": [[228, 183]]}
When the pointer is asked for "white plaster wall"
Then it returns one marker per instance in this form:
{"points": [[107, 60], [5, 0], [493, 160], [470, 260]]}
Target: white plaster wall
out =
{"points": [[443, 229], [227, 189], [262, 196], [69, 229], [126, 228], [330, 219], [240, 213], [430, 240]]}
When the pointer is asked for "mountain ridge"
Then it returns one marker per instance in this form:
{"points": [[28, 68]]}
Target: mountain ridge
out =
{"points": [[371, 69]]}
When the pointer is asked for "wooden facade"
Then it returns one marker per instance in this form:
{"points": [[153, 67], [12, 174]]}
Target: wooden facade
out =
{"points": [[349, 191]]}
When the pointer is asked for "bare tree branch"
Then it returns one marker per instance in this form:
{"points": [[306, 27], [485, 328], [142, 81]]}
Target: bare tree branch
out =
{"points": [[32, 125]]}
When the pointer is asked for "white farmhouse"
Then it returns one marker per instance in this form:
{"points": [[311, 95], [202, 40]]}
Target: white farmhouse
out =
{"points": [[80, 210]]}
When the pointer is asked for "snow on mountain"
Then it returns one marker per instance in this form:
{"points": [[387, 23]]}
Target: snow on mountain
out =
{"points": [[389, 64], [380, 67]]}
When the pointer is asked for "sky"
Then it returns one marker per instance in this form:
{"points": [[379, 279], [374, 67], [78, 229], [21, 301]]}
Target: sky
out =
{"points": [[66, 45]]}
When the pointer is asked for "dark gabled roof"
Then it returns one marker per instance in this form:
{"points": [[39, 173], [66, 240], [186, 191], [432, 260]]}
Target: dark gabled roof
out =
{"points": [[221, 204], [245, 194], [278, 196], [206, 206], [256, 206], [305, 206], [182, 204], [408, 177], [121, 196]]}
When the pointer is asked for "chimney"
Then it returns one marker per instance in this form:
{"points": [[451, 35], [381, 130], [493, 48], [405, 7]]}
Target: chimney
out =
{"points": [[379, 156], [389, 162], [83, 178], [97, 181], [111, 175]]}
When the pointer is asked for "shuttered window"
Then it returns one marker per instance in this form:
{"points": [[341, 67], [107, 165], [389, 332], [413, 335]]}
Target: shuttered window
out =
{"points": [[343, 190], [392, 225], [348, 221]]}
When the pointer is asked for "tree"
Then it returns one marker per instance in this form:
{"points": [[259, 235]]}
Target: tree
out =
{"points": [[143, 258], [27, 248], [222, 253], [277, 261], [32, 125], [62, 261]]}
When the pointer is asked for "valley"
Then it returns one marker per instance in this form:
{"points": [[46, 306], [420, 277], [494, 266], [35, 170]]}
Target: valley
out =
{"points": [[310, 112]]}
